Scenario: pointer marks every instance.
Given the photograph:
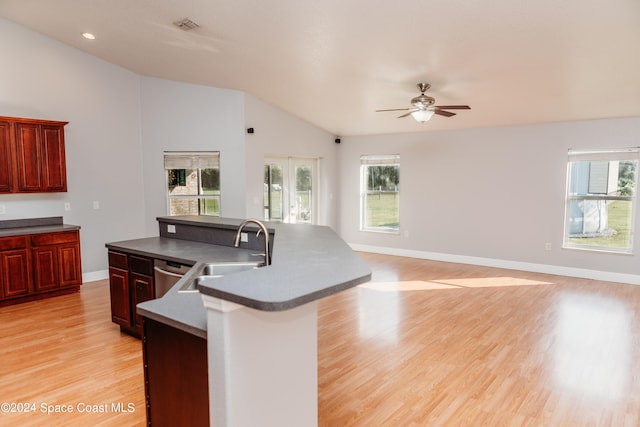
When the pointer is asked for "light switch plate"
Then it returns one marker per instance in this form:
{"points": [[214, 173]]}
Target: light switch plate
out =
{"points": [[2, 210], [171, 228]]}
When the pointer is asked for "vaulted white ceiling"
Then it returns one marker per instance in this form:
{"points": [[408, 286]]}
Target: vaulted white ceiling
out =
{"points": [[334, 62]]}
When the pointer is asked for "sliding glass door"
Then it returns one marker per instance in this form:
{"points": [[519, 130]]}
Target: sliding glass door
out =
{"points": [[289, 190]]}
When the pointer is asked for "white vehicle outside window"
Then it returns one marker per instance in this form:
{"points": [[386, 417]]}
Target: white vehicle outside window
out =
{"points": [[600, 201]]}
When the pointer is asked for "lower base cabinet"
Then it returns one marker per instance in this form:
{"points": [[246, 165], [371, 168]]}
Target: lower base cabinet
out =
{"points": [[56, 262], [176, 377], [15, 278], [130, 283], [39, 265]]}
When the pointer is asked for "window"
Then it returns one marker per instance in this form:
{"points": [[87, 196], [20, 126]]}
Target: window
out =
{"points": [[379, 196], [193, 183], [601, 188]]}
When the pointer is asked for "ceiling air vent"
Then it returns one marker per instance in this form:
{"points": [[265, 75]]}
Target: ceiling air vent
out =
{"points": [[186, 24]]}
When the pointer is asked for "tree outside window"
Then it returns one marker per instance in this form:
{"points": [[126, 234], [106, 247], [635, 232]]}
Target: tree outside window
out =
{"points": [[193, 183], [379, 193]]}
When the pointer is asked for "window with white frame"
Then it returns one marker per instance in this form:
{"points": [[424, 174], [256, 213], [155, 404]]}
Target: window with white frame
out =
{"points": [[193, 183], [379, 193], [600, 202]]}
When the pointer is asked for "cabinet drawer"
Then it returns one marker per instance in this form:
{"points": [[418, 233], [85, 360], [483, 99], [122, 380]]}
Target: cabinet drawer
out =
{"points": [[141, 265], [118, 260], [10, 243], [54, 238]]}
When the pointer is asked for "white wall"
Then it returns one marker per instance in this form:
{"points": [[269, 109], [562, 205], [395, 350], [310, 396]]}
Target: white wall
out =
{"points": [[185, 117], [278, 133], [119, 125], [43, 79], [484, 194]]}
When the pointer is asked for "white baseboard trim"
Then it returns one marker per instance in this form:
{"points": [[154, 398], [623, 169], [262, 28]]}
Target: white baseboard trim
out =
{"points": [[583, 273], [95, 275]]}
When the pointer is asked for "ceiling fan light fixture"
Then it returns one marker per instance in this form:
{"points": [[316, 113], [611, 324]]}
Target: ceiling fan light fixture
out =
{"points": [[422, 116]]}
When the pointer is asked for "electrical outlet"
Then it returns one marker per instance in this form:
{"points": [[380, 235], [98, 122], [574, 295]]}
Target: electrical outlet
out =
{"points": [[96, 205], [244, 237], [2, 210], [171, 228], [547, 246], [67, 206]]}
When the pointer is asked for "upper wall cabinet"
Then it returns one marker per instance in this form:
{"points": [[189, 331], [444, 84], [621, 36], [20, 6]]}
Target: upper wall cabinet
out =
{"points": [[5, 156], [32, 156]]}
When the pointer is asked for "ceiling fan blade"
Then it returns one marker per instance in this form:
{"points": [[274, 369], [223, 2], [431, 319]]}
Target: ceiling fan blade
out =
{"points": [[406, 114], [443, 113], [453, 107], [393, 109]]}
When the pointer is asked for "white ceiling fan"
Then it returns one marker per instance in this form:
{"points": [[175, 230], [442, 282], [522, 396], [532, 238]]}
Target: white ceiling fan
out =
{"points": [[423, 108]]}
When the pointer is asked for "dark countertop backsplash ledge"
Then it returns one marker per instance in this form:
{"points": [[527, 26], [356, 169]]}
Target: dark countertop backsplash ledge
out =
{"points": [[30, 222], [213, 230]]}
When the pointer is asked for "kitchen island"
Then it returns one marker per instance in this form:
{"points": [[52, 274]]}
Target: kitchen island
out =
{"points": [[260, 325]]}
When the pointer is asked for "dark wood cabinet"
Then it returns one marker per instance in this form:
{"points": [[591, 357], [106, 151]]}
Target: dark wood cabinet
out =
{"points": [[120, 301], [6, 164], [130, 283], [44, 268], [56, 260], [70, 270], [15, 280], [54, 166], [28, 156], [119, 289], [39, 265], [142, 290], [176, 376], [32, 156]]}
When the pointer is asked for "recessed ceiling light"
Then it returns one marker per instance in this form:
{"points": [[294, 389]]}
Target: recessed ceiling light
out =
{"points": [[88, 36]]}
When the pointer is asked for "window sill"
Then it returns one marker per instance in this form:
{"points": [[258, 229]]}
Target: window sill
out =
{"points": [[381, 231], [602, 250]]}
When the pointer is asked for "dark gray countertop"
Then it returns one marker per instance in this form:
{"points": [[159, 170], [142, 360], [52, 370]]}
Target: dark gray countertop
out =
{"points": [[182, 251], [184, 311], [18, 227], [308, 263]]}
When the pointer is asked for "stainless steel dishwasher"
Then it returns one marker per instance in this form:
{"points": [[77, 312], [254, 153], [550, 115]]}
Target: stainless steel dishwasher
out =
{"points": [[167, 274]]}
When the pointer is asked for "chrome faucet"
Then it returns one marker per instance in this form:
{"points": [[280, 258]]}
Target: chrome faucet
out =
{"points": [[263, 230]]}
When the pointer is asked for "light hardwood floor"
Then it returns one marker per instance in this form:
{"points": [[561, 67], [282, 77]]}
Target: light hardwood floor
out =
{"points": [[423, 344], [65, 351], [430, 343]]}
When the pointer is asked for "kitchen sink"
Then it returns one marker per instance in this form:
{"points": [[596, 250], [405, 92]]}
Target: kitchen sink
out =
{"points": [[217, 269], [222, 269]]}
